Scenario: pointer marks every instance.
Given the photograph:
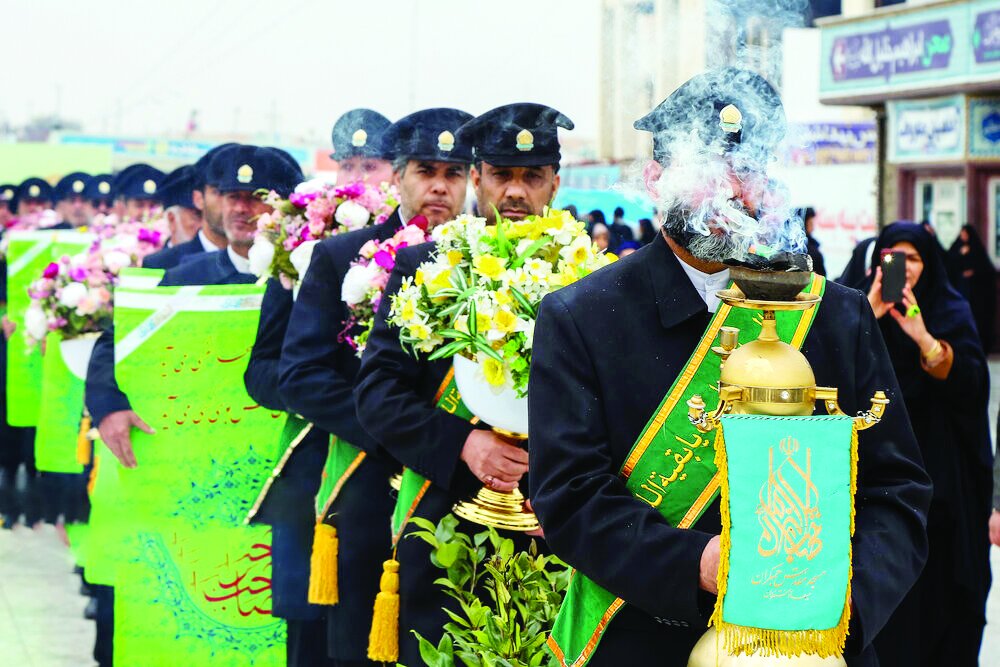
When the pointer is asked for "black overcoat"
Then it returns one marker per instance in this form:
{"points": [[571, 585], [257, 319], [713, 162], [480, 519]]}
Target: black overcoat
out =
{"points": [[606, 351]]}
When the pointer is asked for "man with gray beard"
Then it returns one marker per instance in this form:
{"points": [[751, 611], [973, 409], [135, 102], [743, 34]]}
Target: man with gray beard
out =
{"points": [[653, 576]]}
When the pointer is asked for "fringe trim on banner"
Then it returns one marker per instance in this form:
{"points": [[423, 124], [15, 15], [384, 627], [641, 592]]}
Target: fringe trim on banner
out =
{"points": [[383, 642], [323, 582], [83, 442], [742, 640]]}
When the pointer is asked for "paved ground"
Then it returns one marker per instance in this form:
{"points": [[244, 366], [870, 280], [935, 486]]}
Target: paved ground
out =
{"points": [[41, 612]]}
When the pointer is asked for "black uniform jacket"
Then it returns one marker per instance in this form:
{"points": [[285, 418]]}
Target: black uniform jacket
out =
{"points": [[317, 370], [170, 257], [395, 397], [102, 393], [606, 351], [317, 373]]}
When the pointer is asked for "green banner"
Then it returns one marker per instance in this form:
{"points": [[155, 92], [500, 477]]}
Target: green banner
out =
{"points": [[136, 278], [787, 507], [106, 535], [193, 583], [198, 598], [59, 412], [28, 253]]}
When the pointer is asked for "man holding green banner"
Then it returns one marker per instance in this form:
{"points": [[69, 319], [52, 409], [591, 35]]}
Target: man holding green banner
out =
{"points": [[624, 486], [242, 170]]}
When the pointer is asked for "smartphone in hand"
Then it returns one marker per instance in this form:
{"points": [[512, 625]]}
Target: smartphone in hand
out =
{"points": [[893, 275]]}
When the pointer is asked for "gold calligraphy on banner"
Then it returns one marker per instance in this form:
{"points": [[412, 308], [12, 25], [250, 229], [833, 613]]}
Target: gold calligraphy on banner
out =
{"points": [[788, 510], [656, 484]]}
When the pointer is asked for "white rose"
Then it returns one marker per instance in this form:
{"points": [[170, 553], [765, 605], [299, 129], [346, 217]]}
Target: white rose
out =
{"points": [[301, 256], [352, 215], [72, 293], [116, 260], [312, 185], [261, 255], [356, 283], [35, 323]]}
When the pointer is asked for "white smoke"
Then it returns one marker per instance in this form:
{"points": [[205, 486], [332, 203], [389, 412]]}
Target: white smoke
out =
{"points": [[717, 195]]}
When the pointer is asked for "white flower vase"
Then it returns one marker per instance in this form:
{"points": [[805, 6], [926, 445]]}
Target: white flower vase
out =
{"points": [[502, 409], [76, 353]]}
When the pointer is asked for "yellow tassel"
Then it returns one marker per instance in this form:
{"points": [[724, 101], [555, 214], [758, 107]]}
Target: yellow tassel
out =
{"points": [[83, 442], [383, 642], [323, 587]]}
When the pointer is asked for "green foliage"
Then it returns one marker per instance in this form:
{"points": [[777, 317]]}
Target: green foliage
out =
{"points": [[507, 601]]}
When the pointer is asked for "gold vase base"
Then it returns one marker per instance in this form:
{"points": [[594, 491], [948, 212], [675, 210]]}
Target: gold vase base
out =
{"points": [[504, 511]]}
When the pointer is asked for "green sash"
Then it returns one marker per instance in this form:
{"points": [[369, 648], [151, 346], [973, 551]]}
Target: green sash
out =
{"points": [[683, 488], [414, 485], [292, 433], [341, 462]]}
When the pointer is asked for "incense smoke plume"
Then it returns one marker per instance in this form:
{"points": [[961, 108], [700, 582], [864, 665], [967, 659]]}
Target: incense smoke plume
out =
{"points": [[716, 195]]}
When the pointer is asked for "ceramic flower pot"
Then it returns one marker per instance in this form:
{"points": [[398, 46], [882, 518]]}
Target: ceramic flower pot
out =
{"points": [[500, 407], [76, 353]]}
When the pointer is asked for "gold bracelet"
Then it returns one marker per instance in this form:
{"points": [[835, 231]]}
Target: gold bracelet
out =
{"points": [[935, 352]]}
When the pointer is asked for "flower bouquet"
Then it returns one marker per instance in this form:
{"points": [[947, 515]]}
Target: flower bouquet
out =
{"points": [[475, 300], [45, 219], [135, 238], [73, 295], [366, 279], [316, 210]]}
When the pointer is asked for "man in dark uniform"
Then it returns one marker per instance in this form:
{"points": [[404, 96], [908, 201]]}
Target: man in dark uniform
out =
{"points": [[136, 189], [653, 308], [516, 171], [183, 217], [71, 200], [33, 196], [288, 506], [108, 405], [318, 366], [356, 148], [206, 198], [7, 191], [99, 194]]}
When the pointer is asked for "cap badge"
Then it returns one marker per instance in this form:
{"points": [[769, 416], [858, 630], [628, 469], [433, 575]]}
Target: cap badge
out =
{"points": [[34, 191], [730, 119], [359, 138], [104, 187], [525, 140], [7, 194], [77, 186], [149, 186], [244, 174], [446, 141]]}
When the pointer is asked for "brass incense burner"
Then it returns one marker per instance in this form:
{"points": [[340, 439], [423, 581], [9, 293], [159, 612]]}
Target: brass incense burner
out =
{"points": [[768, 376]]}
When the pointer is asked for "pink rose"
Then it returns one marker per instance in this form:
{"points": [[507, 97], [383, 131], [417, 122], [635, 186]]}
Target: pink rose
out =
{"points": [[368, 249], [51, 271], [385, 259]]}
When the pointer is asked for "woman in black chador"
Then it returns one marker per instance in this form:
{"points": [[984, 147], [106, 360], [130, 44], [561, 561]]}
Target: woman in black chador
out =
{"points": [[939, 361], [974, 276]]}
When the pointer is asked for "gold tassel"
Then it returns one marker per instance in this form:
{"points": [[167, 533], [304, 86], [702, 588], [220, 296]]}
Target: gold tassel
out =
{"points": [[83, 442], [383, 642], [323, 587]]}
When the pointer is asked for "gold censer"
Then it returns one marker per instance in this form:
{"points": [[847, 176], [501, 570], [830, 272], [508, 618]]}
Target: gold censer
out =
{"points": [[766, 377], [500, 509]]}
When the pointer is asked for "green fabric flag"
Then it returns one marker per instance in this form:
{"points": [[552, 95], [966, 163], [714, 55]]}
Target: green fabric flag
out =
{"points": [[28, 253], [193, 583], [198, 597], [107, 532], [342, 460], [137, 278], [787, 514], [59, 412]]}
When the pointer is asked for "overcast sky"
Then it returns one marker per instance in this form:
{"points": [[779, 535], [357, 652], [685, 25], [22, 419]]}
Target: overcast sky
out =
{"points": [[139, 67]]}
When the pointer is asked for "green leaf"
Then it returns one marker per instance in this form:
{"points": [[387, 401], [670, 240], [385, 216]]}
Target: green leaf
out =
{"points": [[448, 553], [473, 323], [523, 301], [428, 652], [530, 251]]}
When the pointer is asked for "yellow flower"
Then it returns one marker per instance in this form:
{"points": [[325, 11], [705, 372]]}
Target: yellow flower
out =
{"points": [[489, 266], [493, 370], [418, 278], [441, 280], [408, 311], [503, 297], [482, 322], [612, 257], [462, 324], [420, 331], [504, 321], [455, 257]]}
